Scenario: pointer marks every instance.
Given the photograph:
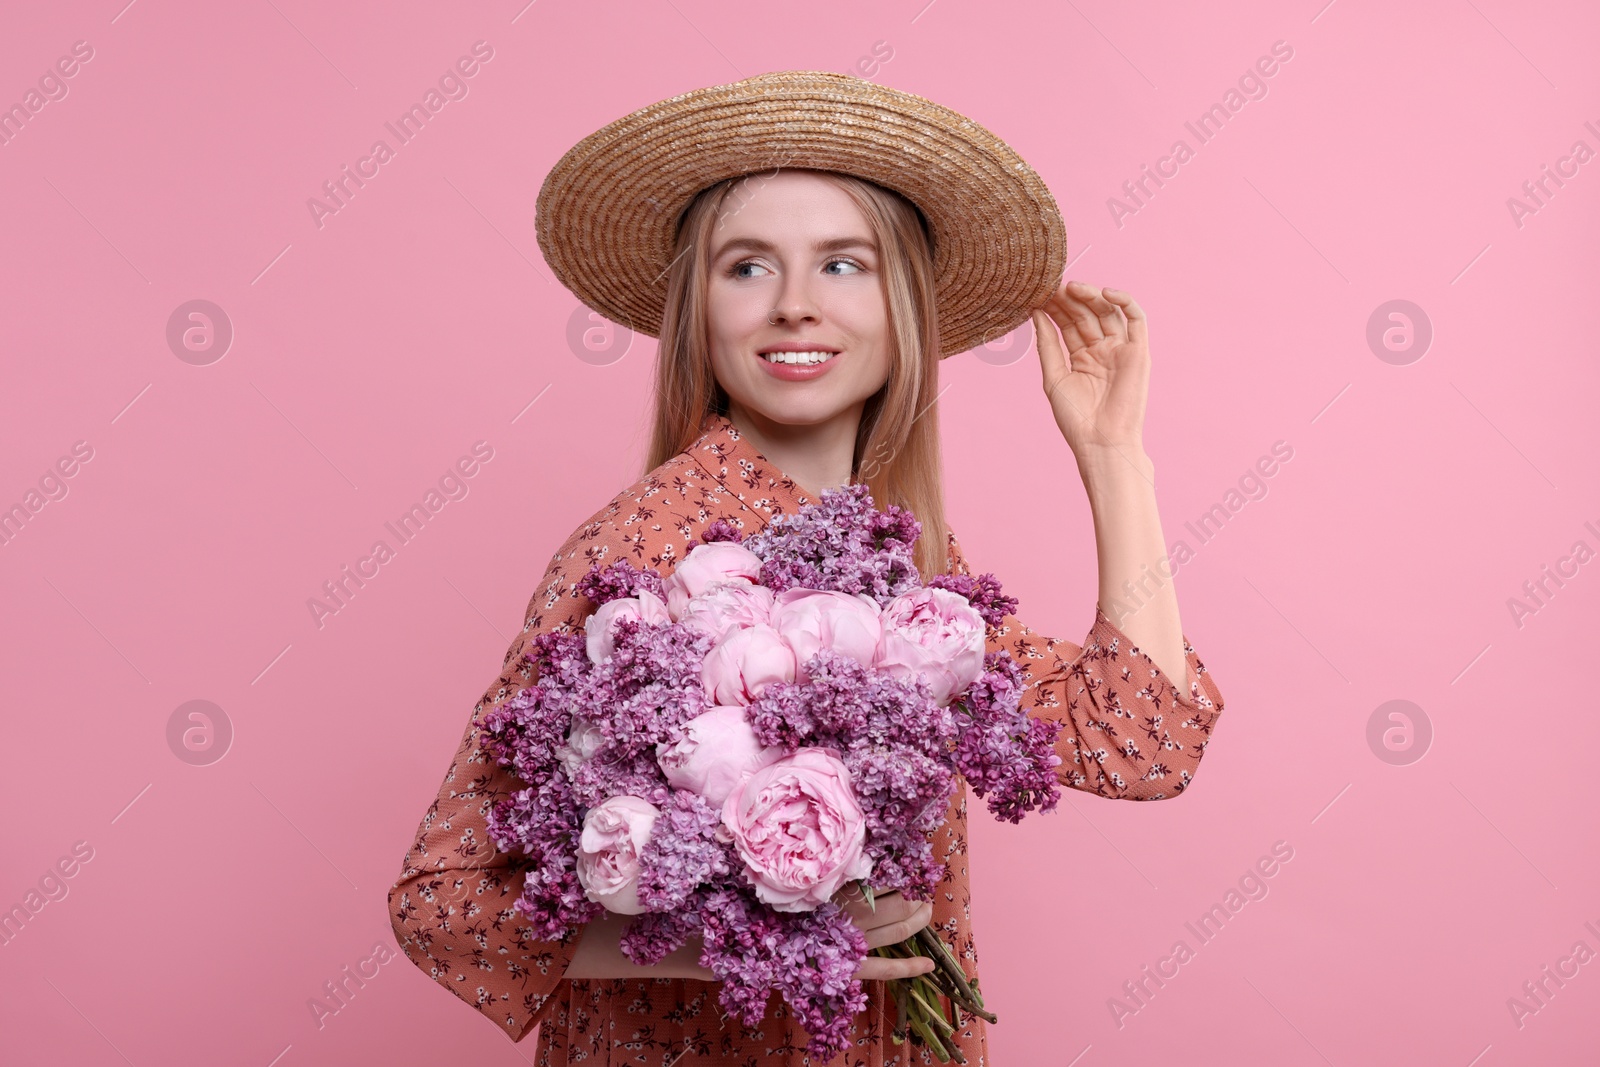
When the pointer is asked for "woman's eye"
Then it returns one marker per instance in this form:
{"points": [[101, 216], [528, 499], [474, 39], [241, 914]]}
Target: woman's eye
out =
{"points": [[737, 270]]}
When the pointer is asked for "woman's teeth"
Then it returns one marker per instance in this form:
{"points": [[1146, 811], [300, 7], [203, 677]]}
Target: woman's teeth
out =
{"points": [[797, 357]]}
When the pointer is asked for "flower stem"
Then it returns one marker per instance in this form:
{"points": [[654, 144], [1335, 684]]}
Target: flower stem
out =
{"points": [[930, 1038], [917, 999], [947, 963], [935, 1014]]}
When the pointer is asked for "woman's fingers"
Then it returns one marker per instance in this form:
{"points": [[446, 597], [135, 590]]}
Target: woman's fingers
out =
{"points": [[1053, 363], [1108, 323], [891, 921], [882, 968], [852, 899], [886, 908], [892, 933], [1138, 325], [1069, 304], [1059, 309], [892, 911]]}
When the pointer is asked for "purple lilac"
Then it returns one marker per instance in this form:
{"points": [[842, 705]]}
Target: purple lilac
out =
{"points": [[818, 962], [523, 735], [604, 584], [843, 544], [525, 731], [1033, 784], [810, 957], [615, 771], [682, 852], [846, 703], [737, 934], [542, 822], [562, 658], [905, 795], [894, 739], [1004, 752], [982, 592], [650, 684], [722, 530], [649, 937]]}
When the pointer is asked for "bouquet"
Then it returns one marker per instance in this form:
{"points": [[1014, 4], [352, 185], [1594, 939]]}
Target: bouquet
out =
{"points": [[724, 749]]}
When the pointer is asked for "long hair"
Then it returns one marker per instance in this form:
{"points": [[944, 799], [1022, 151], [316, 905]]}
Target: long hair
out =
{"points": [[897, 452]]}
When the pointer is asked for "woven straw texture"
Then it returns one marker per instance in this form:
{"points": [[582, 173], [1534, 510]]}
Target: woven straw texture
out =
{"points": [[608, 211]]}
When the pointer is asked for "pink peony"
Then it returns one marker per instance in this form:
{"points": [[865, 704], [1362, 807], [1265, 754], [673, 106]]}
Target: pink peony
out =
{"points": [[583, 741], [799, 829], [742, 664], [614, 834], [646, 607], [810, 619], [717, 749], [717, 561], [727, 605], [936, 635]]}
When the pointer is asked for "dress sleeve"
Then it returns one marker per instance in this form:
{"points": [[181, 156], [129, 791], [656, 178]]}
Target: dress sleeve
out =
{"points": [[1127, 731], [451, 908]]}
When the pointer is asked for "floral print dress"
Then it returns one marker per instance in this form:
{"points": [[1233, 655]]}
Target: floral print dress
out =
{"points": [[1129, 733]]}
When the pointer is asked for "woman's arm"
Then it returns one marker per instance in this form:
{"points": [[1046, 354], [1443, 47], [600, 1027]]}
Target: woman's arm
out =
{"points": [[452, 906], [1129, 730], [600, 955], [1097, 377], [1136, 587]]}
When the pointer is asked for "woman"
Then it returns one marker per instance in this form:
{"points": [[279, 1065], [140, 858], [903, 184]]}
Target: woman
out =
{"points": [[803, 313]]}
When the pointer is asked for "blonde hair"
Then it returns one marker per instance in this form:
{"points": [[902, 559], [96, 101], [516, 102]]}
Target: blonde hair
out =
{"points": [[897, 450]]}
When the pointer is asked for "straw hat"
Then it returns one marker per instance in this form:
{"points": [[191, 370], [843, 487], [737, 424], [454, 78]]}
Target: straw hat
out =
{"points": [[608, 212]]}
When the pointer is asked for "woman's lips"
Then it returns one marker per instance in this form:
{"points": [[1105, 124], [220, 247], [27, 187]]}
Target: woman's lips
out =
{"points": [[797, 372]]}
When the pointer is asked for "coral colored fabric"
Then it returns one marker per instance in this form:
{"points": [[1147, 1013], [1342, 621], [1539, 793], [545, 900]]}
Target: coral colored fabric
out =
{"points": [[1129, 734]]}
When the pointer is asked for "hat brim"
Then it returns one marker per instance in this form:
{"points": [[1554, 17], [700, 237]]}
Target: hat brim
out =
{"points": [[608, 211]]}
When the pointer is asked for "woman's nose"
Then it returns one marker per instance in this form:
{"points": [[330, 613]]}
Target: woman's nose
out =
{"points": [[795, 304]]}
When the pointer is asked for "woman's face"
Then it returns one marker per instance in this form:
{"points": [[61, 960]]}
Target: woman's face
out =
{"points": [[795, 247]]}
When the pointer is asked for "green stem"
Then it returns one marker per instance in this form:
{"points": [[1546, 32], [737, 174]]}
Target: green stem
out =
{"points": [[930, 1038], [935, 1013], [947, 963], [900, 1005]]}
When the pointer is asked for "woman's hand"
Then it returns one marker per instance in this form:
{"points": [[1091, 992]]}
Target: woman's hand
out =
{"points": [[1097, 376], [599, 952], [599, 955], [893, 920], [1097, 371]]}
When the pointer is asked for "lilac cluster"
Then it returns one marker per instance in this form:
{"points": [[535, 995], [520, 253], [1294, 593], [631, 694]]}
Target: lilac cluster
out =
{"points": [[1003, 752], [519, 734], [589, 735], [649, 686], [983, 592], [605, 584], [721, 530], [542, 821], [683, 852], [809, 957], [650, 936], [843, 544]]}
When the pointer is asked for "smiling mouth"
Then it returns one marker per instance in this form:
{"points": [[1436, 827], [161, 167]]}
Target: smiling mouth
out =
{"points": [[801, 359]]}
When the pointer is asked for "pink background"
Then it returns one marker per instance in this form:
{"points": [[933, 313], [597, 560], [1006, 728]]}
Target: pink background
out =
{"points": [[369, 353]]}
